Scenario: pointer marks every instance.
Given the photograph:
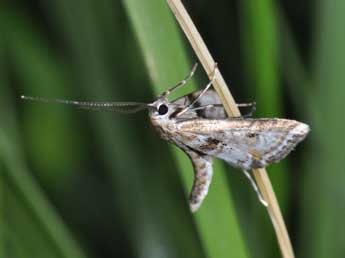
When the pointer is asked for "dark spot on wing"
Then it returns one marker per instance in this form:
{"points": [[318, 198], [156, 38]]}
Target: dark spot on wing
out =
{"points": [[201, 154], [252, 135], [210, 145], [211, 140]]}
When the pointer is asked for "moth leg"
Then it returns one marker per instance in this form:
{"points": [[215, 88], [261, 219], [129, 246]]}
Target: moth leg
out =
{"points": [[204, 107], [181, 83], [256, 189], [207, 87], [252, 105], [203, 172]]}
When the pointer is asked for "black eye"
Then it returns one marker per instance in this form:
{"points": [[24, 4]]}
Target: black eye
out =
{"points": [[163, 109]]}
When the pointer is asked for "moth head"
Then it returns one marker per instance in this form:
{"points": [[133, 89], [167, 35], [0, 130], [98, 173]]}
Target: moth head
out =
{"points": [[161, 109]]}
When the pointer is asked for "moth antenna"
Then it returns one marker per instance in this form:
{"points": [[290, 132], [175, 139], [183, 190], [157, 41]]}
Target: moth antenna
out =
{"points": [[256, 189], [119, 109], [132, 107], [181, 83], [207, 87]]}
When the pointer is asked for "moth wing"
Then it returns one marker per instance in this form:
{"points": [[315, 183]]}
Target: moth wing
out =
{"points": [[245, 143], [209, 98]]}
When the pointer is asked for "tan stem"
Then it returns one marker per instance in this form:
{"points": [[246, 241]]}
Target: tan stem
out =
{"points": [[229, 103]]}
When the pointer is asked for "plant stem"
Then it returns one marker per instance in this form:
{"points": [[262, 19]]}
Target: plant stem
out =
{"points": [[229, 103]]}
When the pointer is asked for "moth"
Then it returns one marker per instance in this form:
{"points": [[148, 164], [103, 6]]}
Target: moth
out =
{"points": [[198, 125]]}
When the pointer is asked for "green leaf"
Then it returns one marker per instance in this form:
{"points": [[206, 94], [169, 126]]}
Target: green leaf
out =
{"points": [[167, 64], [148, 197], [323, 202], [260, 39], [50, 226]]}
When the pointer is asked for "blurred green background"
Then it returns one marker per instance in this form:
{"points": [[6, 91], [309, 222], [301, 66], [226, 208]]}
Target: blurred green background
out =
{"points": [[84, 184]]}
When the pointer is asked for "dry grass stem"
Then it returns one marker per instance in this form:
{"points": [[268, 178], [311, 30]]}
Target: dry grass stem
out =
{"points": [[220, 86]]}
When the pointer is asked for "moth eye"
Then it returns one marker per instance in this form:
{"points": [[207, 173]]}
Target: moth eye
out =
{"points": [[163, 109]]}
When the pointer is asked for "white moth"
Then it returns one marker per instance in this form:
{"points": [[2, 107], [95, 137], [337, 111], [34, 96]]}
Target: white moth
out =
{"points": [[198, 124]]}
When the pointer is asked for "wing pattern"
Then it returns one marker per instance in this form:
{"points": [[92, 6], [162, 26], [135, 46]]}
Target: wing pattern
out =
{"points": [[244, 143]]}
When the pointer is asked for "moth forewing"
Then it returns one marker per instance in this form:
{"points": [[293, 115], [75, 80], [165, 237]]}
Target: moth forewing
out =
{"points": [[244, 143]]}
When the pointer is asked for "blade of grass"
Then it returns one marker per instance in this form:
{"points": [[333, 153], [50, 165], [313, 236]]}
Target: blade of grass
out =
{"points": [[323, 206], [2, 191], [23, 231], [321, 86], [39, 72], [32, 196], [260, 49], [16, 246], [19, 178], [145, 197], [2, 213], [297, 76], [167, 63], [261, 176], [260, 41]]}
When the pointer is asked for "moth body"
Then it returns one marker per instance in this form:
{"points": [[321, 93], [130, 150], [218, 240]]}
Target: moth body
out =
{"points": [[245, 143]]}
